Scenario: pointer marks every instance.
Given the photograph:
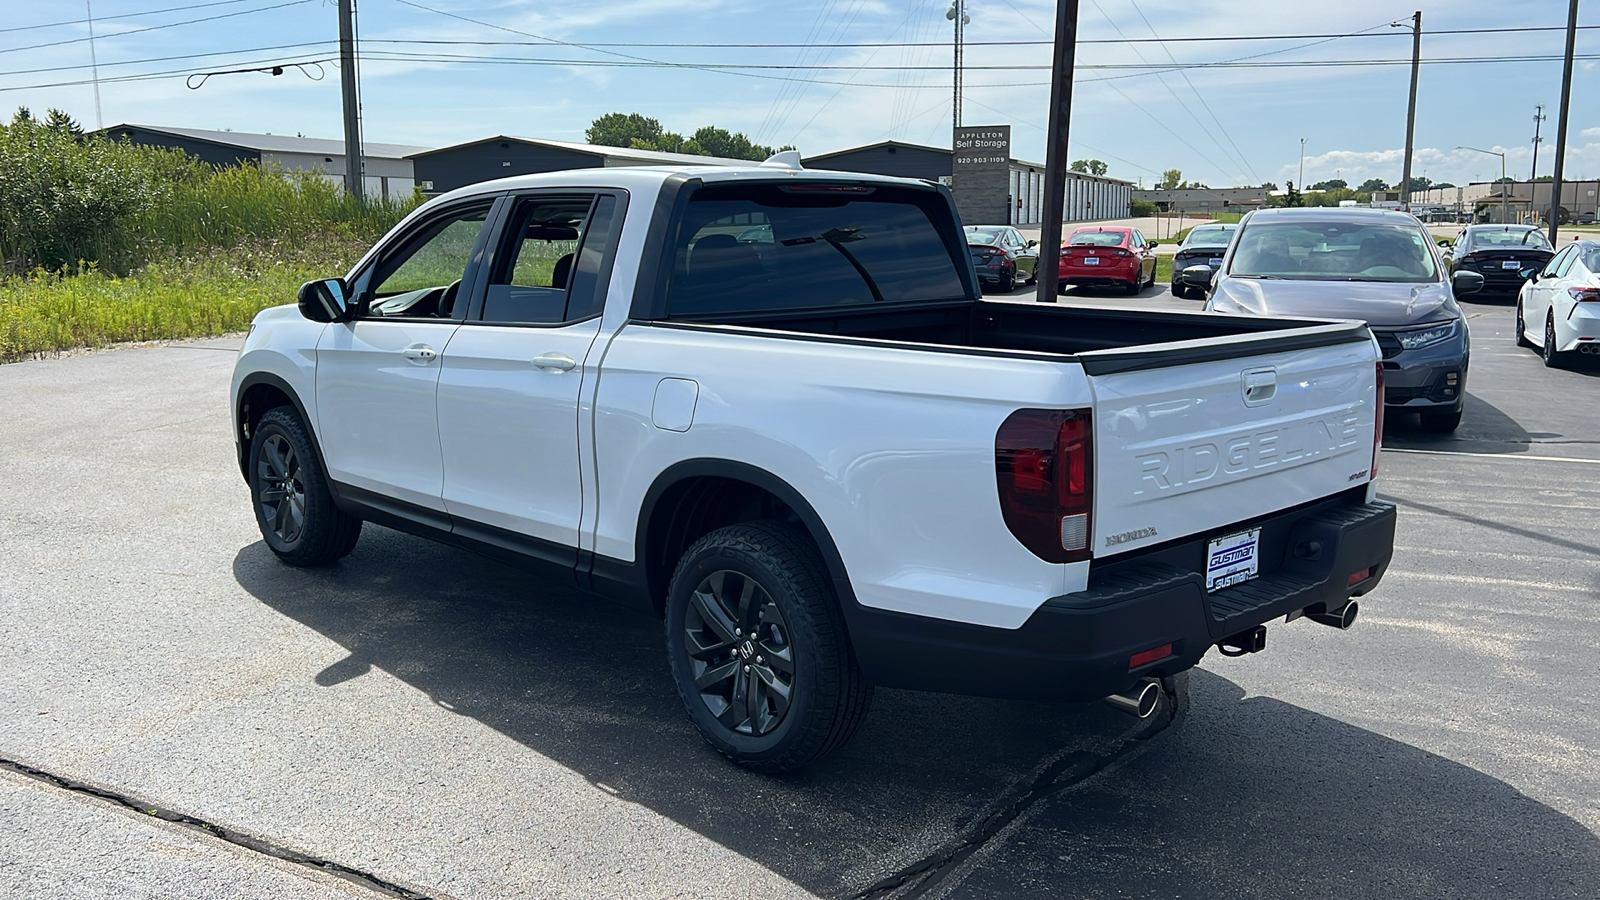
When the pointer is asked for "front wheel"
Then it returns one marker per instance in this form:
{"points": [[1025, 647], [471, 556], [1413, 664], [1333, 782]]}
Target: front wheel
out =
{"points": [[758, 648], [1440, 421], [289, 491], [1522, 328]]}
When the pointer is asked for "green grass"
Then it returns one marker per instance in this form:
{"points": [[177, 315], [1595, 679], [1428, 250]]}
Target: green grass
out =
{"points": [[196, 294]]}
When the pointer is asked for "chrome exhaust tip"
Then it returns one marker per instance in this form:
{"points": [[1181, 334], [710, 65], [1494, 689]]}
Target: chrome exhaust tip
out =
{"points": [[1341, 618], [1141, 701]]}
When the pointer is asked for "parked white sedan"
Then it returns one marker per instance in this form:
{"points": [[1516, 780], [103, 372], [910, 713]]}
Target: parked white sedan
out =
{"points": [[1558, 309]]}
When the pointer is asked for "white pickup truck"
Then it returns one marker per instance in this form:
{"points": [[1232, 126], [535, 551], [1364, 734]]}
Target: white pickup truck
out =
{"points": [[772, 406]]}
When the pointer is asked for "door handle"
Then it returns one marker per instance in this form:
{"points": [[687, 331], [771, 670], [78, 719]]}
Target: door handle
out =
{"points": [[419, 353], [555, 362]]}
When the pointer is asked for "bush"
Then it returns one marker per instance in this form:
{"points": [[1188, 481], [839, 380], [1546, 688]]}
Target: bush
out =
{"points": [[1143, 209]]}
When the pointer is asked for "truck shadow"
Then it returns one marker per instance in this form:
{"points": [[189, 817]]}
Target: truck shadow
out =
{"points": [[584, 683], [1251, 797], [1484, 429]]}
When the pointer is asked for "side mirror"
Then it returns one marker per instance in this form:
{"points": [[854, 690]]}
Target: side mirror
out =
{"points": [[327, 300], [1153, 245], [1530, 274], [1466, 282], [1196, 276], [1033, 243]]}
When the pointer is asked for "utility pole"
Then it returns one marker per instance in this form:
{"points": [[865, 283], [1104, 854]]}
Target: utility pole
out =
{"points": [[1561, 120], [1411, 109], [94, 67], [957, 13], [352, 102], [1538, 122], [1055, 154]]}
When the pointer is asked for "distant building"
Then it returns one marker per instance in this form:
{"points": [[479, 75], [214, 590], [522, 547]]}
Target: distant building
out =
{"points": [[1525, 201], [1088, 196], [1201, 200], [502, 156], [386, 170]]}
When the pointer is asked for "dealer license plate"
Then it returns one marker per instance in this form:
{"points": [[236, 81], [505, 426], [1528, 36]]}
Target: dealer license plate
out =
{"points": [[1233, 559], [1215, 261], [1509, 264], [1091, 260]]}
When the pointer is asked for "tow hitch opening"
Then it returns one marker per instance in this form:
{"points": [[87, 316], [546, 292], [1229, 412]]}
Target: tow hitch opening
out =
{"points": [[1253, 640]]}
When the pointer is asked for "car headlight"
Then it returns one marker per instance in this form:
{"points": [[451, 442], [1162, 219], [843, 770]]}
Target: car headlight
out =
{"points": [[1425, 337]]}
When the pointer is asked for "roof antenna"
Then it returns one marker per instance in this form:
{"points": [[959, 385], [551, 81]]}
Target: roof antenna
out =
{"points": [[785, 159]]}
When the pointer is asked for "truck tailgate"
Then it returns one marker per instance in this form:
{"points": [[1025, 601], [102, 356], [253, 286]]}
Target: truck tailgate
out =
{"points": [[1193, 447]]}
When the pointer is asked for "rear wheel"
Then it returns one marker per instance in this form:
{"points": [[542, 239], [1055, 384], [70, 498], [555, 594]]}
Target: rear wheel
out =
{"points": [[1552, 358], [1137, 284], [1522, 328], [758, 648], [1008, 282], [289, 491]]}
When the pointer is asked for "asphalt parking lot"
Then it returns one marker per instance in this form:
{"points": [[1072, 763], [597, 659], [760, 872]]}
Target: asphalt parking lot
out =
{"points": [[417, 721]]}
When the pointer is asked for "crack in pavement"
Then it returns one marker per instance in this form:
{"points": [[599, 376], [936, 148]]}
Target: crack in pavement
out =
{"points": [[1050, 778], [249, 842]]}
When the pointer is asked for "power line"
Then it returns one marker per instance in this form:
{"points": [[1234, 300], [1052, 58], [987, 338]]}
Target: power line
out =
{"points": [[105, 37], [133, 15], [153, 59]]}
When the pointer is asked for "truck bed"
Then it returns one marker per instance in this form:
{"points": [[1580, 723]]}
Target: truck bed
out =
{"points": [[1095, 335]]}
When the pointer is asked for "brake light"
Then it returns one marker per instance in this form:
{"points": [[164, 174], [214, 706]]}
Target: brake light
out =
{"points": [[827, 188], [1044, 469], [1584, 295], [1377, 425], [1120, 252]]}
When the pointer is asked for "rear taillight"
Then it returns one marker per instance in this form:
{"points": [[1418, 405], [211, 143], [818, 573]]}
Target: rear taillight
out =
{"points": [[1044, 465], [1120, 252], [1584, 294], [1377, 424]]}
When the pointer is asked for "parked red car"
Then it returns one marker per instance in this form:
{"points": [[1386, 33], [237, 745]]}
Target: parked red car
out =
{"points": [[1107, 256]]}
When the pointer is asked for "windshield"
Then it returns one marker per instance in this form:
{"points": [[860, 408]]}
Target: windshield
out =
{"points": [[1210, 236], [1334, 251], [1096, 238], [1512, 237], [983, 235]]}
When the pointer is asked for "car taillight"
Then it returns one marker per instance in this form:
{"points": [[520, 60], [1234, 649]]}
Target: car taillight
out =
{"points": [[1377, 425], [1120, 252], [1584, 295], [1044, 466]]}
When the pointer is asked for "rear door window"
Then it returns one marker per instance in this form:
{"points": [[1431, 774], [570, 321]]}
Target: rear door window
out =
{"points": [[550, 257], [808, 245]]}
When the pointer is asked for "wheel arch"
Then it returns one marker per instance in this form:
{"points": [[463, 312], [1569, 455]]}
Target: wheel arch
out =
{"points": [[694, 497], [258, 394]]}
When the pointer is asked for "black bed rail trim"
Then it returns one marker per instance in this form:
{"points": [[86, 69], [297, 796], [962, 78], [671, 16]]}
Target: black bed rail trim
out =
{"points": [[1211, 349]]}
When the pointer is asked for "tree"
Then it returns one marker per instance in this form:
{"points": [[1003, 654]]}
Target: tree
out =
{"points": [[1443, 184], [1088, 166], [1330, 185], [1269, 186], [1293, 197], [60, 121], [1418, 183], [1170, 179], [1373, 184], [714, 141], [623, 129]]}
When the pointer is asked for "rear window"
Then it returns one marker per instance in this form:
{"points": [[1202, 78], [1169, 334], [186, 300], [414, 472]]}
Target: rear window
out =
{"points": [[1209, 236], [1514, 237], [751, 248], [1096, 239]]}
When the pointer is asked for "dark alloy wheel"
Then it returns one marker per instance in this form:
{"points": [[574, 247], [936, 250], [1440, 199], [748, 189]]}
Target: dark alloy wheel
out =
{"points": [[1522, 328], [289, 490], [1552, 359], [758, 648], [1137, 284]]}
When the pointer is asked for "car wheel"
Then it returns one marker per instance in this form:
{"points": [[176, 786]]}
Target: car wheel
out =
{"points": [[1552, 358], [1008, 282], [758, 648], [1033, 277], [1137, 284], [289, 492], [1152, 281], [1522, 328], [1440, 421]]}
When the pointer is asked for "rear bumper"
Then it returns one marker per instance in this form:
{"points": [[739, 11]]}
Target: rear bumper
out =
{"points": [[1077, 647]]}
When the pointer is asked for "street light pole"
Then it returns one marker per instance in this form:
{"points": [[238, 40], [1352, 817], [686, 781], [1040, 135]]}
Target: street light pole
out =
{"points": [[1302, 181], [1505, 215]]}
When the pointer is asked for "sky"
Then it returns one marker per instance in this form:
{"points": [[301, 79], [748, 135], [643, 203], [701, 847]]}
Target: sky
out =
{"points": [[438, 72]]}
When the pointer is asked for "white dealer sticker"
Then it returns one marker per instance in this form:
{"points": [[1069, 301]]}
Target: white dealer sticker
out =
{"points": [[1233, 559]]}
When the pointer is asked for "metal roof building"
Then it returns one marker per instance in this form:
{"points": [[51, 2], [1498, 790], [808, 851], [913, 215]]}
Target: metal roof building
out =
{"points": [[501, 156], [387, 172]]}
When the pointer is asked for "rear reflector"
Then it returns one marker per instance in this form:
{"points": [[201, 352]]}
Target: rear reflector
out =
{"points": [[1149, 656], [1359, 577]]}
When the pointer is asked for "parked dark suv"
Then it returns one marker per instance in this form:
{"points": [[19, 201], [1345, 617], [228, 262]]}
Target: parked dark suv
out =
{"points": [[1376, 265], [1201, 249], [1500, 253]]}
